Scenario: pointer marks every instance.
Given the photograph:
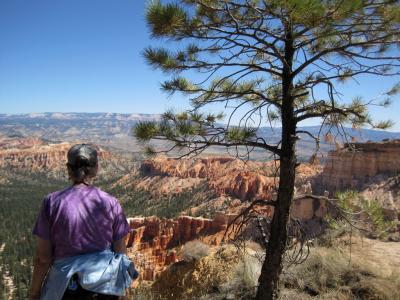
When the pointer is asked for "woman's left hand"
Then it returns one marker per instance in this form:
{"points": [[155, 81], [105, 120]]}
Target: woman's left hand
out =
{"points": [[134, 284]]}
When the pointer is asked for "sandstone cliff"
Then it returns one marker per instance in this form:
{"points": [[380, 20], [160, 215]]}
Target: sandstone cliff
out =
{"points": [[357, 165]]}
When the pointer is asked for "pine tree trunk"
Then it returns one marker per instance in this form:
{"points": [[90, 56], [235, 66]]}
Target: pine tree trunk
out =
{"points": [[272, 266]]}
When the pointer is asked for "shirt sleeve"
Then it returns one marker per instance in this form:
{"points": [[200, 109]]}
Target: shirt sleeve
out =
{"points": [[120, 226], [42, 225]]}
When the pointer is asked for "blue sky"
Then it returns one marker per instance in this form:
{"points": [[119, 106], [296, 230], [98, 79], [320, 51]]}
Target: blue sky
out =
{"points": [[85, 56]]}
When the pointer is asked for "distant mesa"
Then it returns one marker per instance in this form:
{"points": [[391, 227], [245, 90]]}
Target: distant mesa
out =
{"points": [[36, 115], [60, 116]]}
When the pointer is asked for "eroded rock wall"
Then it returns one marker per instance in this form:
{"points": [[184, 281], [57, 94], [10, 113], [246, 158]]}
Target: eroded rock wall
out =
{"points": [[152, 241], [245, 180]]}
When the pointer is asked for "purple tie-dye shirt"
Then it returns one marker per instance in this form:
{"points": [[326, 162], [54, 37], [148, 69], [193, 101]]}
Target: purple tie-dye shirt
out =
{"points": [[80, 219]]}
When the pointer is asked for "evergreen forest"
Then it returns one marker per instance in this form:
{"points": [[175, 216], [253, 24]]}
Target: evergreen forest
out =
{"points": [[20, 200]]}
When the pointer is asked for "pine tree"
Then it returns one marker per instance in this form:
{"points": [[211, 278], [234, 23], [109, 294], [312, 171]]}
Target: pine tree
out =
{"points": [[268, 60]]}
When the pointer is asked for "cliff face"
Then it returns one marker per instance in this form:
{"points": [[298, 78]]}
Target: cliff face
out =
{"points": [[356, 165]]}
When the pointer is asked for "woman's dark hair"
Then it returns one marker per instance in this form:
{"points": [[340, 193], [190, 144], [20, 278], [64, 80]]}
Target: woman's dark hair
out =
{"points": [[82, 162]]}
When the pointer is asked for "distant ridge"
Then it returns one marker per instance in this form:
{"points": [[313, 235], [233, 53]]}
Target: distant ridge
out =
{"points": [[76, 115], [114, 130]]}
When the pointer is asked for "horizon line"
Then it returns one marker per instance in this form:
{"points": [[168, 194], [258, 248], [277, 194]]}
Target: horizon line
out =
{"points": [[160, 114]]}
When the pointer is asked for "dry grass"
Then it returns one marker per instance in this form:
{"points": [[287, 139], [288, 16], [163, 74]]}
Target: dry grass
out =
{"points": [[327, 274], [330, 274], [195, 250], [195, 278]]}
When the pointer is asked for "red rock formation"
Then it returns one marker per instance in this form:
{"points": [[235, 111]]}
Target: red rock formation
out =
{"points": [[244, 185], [307, 209], [152, 242], [224, 175], [193, 168]]}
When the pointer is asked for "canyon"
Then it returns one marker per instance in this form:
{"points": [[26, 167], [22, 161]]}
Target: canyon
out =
{"points": [[154, 242], [114, 130]]}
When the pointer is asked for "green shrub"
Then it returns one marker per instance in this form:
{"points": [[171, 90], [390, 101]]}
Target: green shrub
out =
{"points": [[366, 214], [348, 200], [380, 226]]}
